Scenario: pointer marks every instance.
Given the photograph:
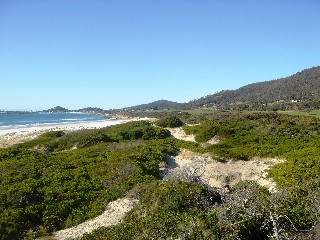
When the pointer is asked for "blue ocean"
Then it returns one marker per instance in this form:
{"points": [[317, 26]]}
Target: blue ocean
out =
{"points": [[37, 119]]}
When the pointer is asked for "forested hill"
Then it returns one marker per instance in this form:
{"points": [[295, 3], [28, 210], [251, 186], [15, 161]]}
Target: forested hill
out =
{"points": [[157, 105], [299, 91]]}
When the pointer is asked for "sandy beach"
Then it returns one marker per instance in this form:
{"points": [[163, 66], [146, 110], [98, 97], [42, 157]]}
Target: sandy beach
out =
{"points": [[9, 137]]}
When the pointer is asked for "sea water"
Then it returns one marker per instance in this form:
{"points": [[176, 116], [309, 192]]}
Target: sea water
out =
{"points": [[38, 119]]}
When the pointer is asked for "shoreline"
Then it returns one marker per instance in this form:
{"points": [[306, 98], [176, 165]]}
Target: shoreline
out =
{"points": [[12, 136]]}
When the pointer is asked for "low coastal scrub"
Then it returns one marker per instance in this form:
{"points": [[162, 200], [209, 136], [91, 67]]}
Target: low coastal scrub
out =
{"points": [[61, 179], [43, 191]]}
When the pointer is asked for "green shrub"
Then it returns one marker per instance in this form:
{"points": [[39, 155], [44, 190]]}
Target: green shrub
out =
{"points": [[169, 121]]}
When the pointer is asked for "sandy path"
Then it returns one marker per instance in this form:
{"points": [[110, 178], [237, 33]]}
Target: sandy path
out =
{"points": [[113, 215]]}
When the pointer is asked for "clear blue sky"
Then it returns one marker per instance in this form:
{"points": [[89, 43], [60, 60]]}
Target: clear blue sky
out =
{"points": [[115, 53]]}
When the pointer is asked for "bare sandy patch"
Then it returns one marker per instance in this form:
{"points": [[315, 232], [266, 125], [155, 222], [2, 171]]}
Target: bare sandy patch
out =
{"points": [[179, 133], [113, 215], [220, 174]]}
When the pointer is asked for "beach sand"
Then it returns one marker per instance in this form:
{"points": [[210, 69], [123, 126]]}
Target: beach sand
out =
{"points": [[9, 137]]}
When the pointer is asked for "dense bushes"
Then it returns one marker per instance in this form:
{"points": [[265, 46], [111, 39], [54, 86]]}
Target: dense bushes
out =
{"points": [[42, 191], [169, 121]]}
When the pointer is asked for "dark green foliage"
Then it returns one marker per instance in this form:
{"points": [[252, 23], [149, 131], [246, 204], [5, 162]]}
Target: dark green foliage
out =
{"points": [[170, 121], [45, 190]]}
